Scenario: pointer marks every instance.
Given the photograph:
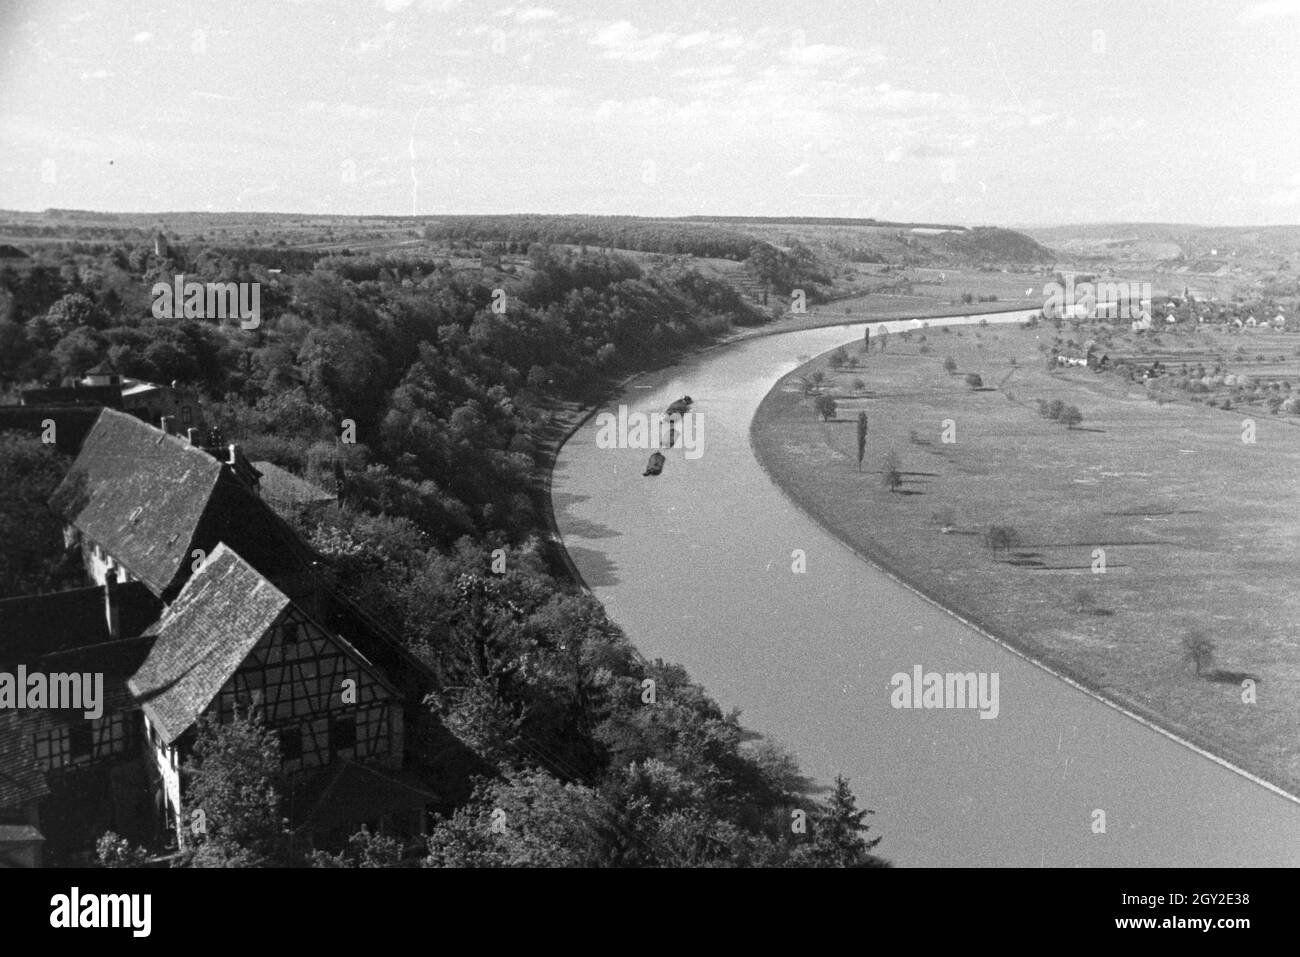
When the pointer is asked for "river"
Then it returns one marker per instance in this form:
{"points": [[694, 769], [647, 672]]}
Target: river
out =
{"points": [[696, 566]]}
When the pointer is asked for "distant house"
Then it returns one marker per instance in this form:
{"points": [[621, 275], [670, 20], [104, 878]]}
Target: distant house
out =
{"points": [[103, 386]]}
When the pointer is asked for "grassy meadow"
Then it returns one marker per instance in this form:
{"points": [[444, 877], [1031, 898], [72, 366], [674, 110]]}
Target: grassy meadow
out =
{"points": [[1196, 508]]}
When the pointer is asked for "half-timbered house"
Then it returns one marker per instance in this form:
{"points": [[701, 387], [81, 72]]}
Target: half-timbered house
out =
{"points": [[233, 641], [81, 775]]}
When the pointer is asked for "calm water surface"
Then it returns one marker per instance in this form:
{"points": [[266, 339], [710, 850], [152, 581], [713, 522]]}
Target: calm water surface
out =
{"points": [[696, 566]]}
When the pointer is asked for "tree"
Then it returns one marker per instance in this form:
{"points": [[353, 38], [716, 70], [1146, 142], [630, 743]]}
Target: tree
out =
{"points": [[364, 850], [862, 437], [1085, 602], [950, 365], [234, 779], [1002, 537], [1055, 409], [529, 819], [1198, 649], [891, 475], [838, 833], [113, 850], [974, 381], [1071, 416], [838, 358], [32, 558], [73, 311], [825, 407]]}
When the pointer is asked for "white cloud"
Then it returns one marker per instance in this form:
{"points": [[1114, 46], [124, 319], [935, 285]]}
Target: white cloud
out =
{"points": [[1269, 10], [144, 36], [534, 14], [798, 171], [623, 41]]}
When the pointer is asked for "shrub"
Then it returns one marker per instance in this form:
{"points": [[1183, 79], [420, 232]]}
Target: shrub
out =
{"points": [[891, 475], [945, 518], [950, 365], [974, 381], [1002, 537]]}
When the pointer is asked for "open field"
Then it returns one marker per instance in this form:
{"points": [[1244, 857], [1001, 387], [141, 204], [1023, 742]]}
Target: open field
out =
{"points": [[1198, 527]]}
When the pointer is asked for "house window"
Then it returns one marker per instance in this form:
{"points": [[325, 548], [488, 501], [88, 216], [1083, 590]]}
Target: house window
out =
{"points": [[343, 735], [81, 742], [291, 743]]}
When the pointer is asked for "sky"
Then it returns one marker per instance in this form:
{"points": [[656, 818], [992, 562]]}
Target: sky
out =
{"points": [[977, 112]]}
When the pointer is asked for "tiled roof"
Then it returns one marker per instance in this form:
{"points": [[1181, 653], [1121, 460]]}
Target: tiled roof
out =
{"points": [[145, 494], [203, 638], [280, 485], [151, 499], [19, 834]]}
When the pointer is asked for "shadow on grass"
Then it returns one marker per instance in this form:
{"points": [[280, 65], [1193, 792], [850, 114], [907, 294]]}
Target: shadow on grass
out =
{"points": [[1230, 677]]}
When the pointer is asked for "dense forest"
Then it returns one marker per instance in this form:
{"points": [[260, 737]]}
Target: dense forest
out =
{"points": [[424, 395]]}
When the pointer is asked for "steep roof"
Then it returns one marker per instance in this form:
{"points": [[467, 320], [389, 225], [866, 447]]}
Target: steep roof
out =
{"points": [[150, 499], [144, 496], [203, 638]]}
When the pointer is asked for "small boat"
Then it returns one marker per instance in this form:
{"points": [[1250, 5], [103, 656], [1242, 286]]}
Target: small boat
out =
{"points": [[655, 465], [681, 406]]}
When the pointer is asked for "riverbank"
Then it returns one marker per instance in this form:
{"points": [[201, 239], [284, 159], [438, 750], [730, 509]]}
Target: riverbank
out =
{"points": [[568, 417], [1122, 524]]}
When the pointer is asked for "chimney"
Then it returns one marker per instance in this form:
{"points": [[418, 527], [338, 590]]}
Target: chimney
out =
{"points": [[193, 436], [234, 455], [111, 610], [168, 424]]}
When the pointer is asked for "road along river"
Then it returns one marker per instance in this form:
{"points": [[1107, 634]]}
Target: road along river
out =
{"points": [[696, 566]]}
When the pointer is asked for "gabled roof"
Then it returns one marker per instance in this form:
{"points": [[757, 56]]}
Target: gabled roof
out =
{"points": [[203, 638], [281, 485], [150, 499], [144, 496]]}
